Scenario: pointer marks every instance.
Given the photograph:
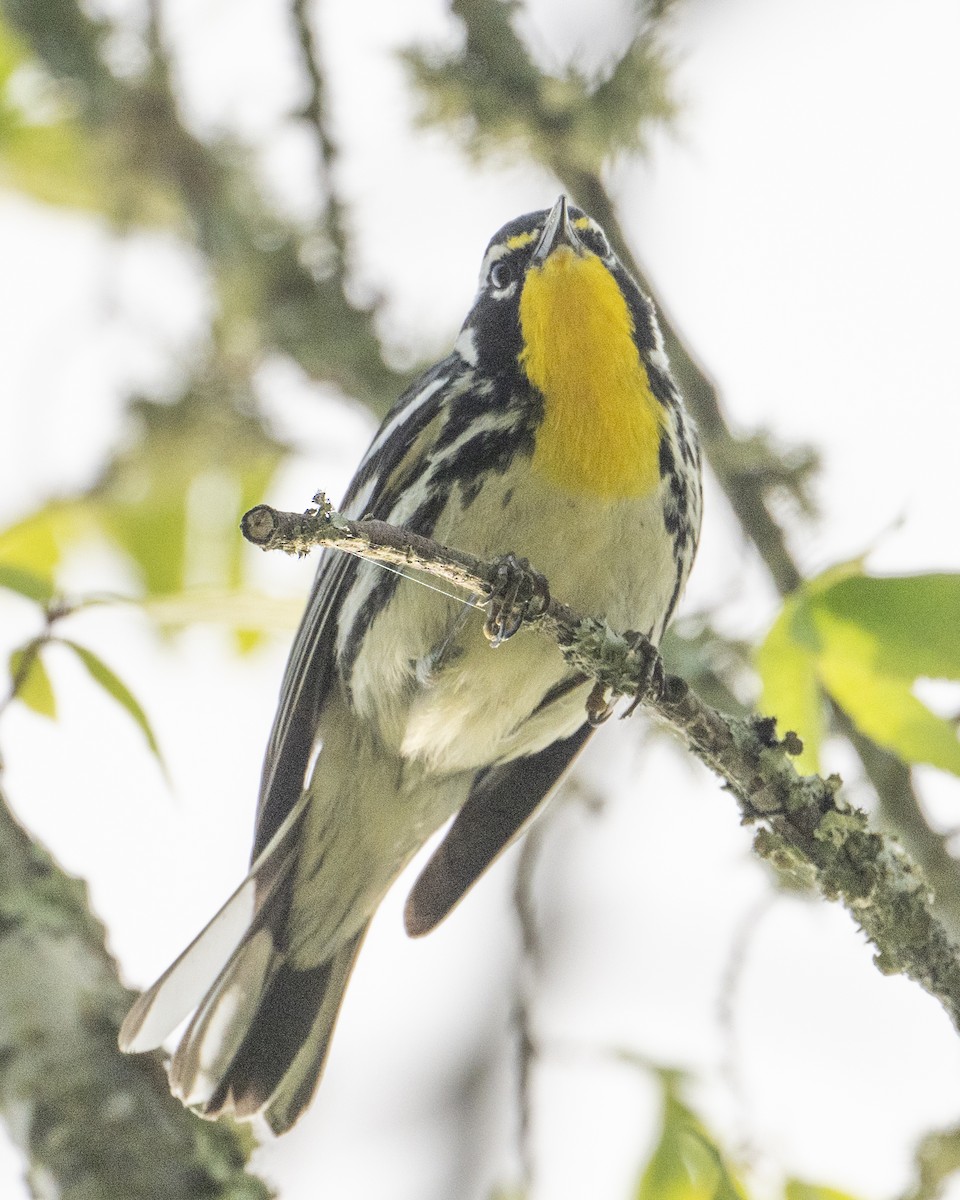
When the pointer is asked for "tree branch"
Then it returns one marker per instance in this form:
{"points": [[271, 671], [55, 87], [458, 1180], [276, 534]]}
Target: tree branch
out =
{"points": [[315, 112], [805, 824], [95, 1124]]}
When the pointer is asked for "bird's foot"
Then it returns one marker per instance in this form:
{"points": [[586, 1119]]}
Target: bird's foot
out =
{"points": [[517, 594]]}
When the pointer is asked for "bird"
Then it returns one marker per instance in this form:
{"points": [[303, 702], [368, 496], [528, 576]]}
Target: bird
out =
{"points": [[554, 433]]}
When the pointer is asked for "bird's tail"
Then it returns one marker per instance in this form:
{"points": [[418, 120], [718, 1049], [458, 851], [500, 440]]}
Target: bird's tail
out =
{"points": [[259, 1041], [261, 1027]]}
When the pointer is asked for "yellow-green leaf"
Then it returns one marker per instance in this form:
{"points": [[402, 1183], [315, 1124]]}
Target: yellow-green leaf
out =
{"points": [[787, 664], [31, 682], [115, 687], [795, 1190], [865, 642], [911, 620], [37, 543], [26, 583], [685, 1164], [883, 706]]}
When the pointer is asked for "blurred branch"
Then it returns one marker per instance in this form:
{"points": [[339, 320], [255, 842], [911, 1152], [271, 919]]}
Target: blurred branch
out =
{"points": [[93, 1124], [806, 827], [530, 953], [276, 288], [315, 111], [731, 1055]]}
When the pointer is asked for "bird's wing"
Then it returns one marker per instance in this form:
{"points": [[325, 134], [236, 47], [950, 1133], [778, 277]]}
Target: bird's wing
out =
{"points": [[312, 665], [306, 682], [501, 802]]}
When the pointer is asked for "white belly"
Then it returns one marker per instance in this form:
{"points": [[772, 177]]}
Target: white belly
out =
{"points": [[439, 694]]}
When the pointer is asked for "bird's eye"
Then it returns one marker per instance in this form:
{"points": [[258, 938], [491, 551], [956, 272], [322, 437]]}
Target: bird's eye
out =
{"points": [[500, 274]]}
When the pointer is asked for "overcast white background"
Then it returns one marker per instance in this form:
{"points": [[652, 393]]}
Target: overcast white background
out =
{"points": [[801, 224]]}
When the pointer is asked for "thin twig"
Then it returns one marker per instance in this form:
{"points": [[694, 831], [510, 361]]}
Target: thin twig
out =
{"points": [[730, 980], [530, 953]]}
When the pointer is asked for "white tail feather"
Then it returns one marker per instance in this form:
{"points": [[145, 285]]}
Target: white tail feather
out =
{"points": [[185, 982], [220, 1024]]}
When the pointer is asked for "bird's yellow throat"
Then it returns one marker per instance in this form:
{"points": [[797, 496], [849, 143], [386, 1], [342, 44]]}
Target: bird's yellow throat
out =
{"points": [[601, 428]]}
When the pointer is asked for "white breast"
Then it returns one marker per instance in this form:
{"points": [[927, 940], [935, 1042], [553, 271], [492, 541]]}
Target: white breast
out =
{"points": [[431, 683]]}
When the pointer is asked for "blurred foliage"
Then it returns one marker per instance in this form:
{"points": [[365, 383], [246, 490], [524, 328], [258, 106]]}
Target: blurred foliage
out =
{"points": [[278, 286], [686, 1163], [46, 153], [937, 1162], [865, 642], [807, 1191], [30, 682], [491, 88], [173, 499]]}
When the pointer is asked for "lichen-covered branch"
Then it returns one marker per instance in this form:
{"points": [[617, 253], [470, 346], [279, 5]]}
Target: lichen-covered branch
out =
{"points": [[804, 822], [93, 1124]]}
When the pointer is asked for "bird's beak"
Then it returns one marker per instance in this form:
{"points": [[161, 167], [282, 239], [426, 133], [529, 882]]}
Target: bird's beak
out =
{"points": [[557, 231]]}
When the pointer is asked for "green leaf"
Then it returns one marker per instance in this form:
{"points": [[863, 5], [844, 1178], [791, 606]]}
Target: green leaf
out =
{"points": [[912, 621], [36, 544], [795, 1190], [25, 583], [115, 687], [866, 641], [685, 1164], [787, 665], [883, 706], [31, 681]]}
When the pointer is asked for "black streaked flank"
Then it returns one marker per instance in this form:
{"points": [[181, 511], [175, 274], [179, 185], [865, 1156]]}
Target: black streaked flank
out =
{"points": [[422, 521], [667, 461]]}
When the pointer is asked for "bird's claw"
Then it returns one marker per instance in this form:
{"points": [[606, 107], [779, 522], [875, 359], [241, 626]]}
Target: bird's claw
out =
{"points": [[650, 676], [599, 704], [650, 681], [517, 594]]}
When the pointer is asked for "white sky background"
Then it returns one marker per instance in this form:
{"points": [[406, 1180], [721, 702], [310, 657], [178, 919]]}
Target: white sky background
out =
{"points": [[801, 224]]}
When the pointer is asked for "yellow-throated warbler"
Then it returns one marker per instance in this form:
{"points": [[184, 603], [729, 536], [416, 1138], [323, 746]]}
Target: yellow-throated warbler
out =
{"points": [[554, 431]]}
